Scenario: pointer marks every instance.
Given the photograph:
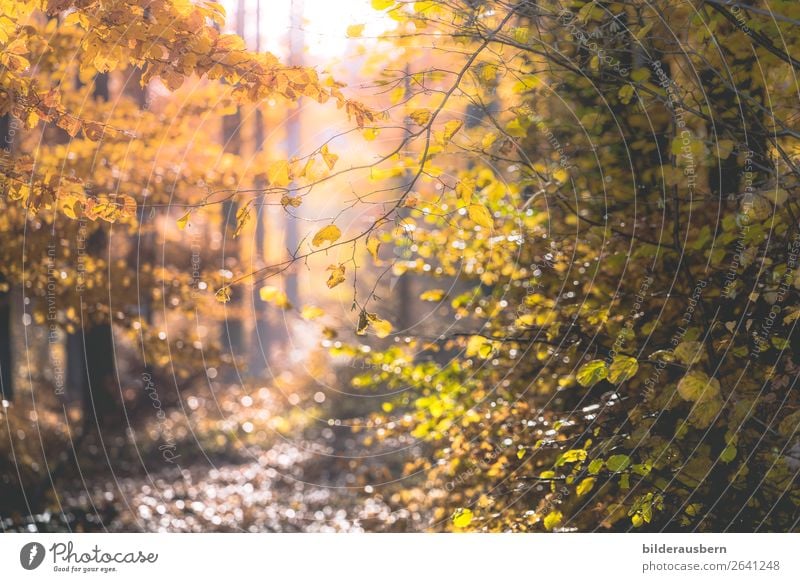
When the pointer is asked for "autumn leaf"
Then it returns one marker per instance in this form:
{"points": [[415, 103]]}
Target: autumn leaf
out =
{"points": [[420, 116], [363, 323], [69, 124], [553, 520], [271, 294], [617, 463], [223, 294], [697, 385], [585, 486], [242, 218], [311, 312], [330, 233], [293, 201], [355, 30], [365, 319], [183, 221], [462, 517], [689, 352], [465, 190], [450, 129], [330, 159], [93, 131], [622, 368], [382, 327], [278, 174], [336, 276], [373, 246], [480, 215], [432, 295], [591, 373]]}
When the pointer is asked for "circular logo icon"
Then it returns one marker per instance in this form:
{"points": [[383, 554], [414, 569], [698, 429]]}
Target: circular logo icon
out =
{"points": [[31, 555]]}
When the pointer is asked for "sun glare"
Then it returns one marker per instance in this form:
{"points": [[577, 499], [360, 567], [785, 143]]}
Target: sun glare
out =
{"points": [[324, 25]]}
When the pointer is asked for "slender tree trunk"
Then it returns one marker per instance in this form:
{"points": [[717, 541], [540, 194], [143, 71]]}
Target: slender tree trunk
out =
{"points": [[90, 351], [259, 346], [6, 335], [6, 357], [293, 136], [232, 328]]}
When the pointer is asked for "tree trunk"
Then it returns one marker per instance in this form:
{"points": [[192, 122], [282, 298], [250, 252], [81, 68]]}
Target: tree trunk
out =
{"points": [[6, 336], [90, 350], [232, 334]]}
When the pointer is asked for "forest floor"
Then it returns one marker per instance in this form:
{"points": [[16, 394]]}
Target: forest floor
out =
{"points": [[230, 473], [282, 490]]}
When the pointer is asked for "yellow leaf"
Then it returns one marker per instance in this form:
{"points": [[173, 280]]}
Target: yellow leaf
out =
{"points": [[273, 295], [223, 295], [480, 215], [337, 275], [625, 93], [553, 519], [330, 159], [622, 368], [420, 116], [561, 175], [184, 220], [465, 189], [330, 233], [382, 327], [242, 218], [311, 312], [355, 30], [382, 4], [585, 486], [488, 140], [432, 295], [450, 129], [591, 373], [478, 345], [278, 174], [370, 133], [641, 74], [462, 517], [293, 201], [373, 245], [69, 124]]}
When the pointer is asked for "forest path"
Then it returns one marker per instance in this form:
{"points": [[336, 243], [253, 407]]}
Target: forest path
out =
{"points": [[288, 487]]}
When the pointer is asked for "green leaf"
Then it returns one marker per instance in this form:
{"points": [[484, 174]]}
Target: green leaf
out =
{"points": [[689, 352], [790, 424], [728, 454], [596, 466], [618, 463], [622, 368], [705, 411], [591, 373], [697, 385]]}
